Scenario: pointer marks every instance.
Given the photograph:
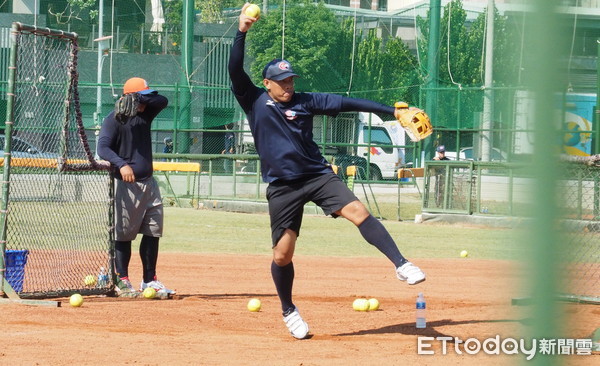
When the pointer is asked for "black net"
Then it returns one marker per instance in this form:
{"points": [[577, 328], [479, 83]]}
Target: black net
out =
{"points": [[58, 202]]}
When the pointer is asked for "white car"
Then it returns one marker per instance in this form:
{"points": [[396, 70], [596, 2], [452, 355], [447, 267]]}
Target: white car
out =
{"points": [[23, 149], [466, 153]]}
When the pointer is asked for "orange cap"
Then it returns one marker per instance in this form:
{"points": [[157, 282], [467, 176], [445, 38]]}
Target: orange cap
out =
{"points": [[136, 85]]}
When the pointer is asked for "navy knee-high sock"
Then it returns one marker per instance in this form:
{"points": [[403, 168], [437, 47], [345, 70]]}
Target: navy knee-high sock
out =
{"points": [[377, 235], [122, 258], [149, 256], [284, 280]]}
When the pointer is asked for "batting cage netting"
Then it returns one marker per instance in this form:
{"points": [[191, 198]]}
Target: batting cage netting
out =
{"points": [[56, 201]]}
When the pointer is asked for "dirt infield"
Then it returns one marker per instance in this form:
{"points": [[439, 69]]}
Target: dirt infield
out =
{"points": [[209, 324]]}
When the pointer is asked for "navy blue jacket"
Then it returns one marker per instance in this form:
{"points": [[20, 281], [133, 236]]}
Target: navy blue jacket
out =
{"points": [[131, 143], [283, 132]]}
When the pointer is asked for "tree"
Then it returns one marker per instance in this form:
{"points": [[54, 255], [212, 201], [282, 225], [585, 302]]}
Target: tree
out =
{"points": [[452, 44], [72, 11], [401, 73], [315, 36], [211, 11], [320, 50], [507, 34], [369, 63], [461, 58], [462, 61], [385, 71]]}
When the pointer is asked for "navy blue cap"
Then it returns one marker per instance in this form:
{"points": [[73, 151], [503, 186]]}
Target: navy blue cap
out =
{"points": [[277, 70], [147, 91], [441, 148]]}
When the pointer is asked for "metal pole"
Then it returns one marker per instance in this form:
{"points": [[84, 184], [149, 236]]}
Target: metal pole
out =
{"points": [[596, 125], [100, 41], [596, 129], [142, 39], [99, 71], [187, 46], [488, 94], [7, 148], [433, 67]]}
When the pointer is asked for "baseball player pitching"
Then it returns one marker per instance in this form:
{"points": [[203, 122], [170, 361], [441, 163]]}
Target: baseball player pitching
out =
{"points": [[281, 121]]}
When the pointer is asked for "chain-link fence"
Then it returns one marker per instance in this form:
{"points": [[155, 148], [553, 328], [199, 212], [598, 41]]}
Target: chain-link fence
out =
{"points": [[468, 187], [359, 53], [505, 190], [579, 204]]}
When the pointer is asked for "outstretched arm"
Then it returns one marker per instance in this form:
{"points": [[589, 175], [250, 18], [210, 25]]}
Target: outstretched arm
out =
{"points": [[365, 105]]}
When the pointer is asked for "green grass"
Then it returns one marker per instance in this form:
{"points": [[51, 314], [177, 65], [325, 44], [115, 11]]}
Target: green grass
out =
{"points": [[189, 230]]}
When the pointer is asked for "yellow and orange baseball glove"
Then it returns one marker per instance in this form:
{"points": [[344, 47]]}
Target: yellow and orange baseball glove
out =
{"points": [[415, 121]]}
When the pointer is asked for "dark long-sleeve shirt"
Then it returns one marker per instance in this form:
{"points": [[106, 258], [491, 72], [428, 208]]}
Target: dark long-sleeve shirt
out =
{"points": [[131, 143], [283, 132]]}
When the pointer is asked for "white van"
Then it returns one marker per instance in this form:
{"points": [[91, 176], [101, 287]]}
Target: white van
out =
{"points": [[386, 160]]}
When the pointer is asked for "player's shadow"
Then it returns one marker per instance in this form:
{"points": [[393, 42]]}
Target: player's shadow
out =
{"points": [[430, 331]]}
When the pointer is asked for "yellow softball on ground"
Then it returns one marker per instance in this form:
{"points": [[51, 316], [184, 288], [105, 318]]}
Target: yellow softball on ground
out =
{"points": [[361, 305], [252, 11], [90, 280], [464, 254], [149, 293], [254, 305], [373, 304], [76, 300]]}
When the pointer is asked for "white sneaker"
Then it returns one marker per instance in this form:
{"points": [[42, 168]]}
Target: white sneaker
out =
{"points": [[296, 325], [158, 286], [410, 273]]}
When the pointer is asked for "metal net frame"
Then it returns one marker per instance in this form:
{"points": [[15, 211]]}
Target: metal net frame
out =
{"points": [[449, 187], [57, 199]]}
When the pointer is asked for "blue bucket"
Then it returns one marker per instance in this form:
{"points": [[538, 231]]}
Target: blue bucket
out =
{"points": [[14, 262]]}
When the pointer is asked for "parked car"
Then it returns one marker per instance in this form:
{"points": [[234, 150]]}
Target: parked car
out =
{"points": [[466, 153], [23, 149]]}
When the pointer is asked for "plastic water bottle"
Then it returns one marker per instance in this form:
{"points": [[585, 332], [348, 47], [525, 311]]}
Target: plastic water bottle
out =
{"points": [[102, 278], [421, 311]]}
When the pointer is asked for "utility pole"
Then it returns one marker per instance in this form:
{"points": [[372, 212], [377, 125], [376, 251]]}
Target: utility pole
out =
{"points": [[488, 93], [100, 40]]}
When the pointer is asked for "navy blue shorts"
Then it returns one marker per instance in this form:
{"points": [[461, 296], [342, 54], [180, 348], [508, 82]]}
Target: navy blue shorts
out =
{"points": [[287, 200]]}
